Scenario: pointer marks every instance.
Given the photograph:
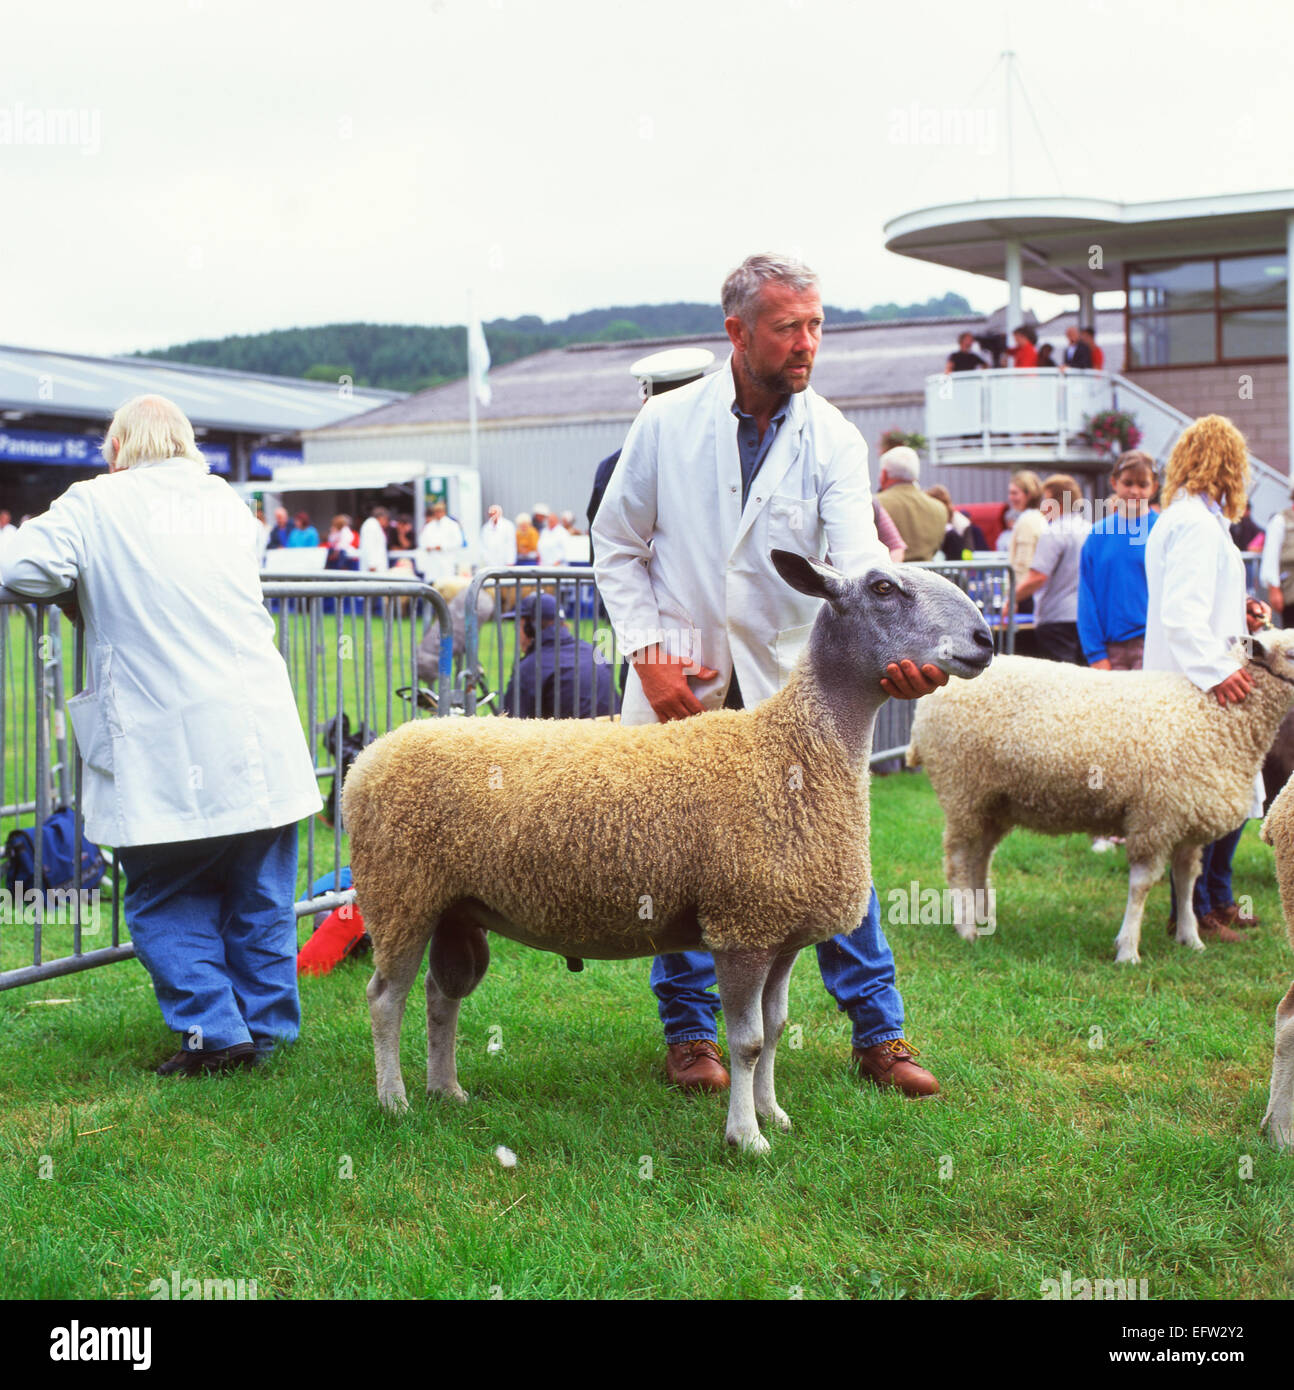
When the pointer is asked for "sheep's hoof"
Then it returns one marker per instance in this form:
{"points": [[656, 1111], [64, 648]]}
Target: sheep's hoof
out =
{"points": [[778, 1116], [1193, 942], [1127, 955], [454, 1092], [1281, 1137], [394, 1102], [967, 931], [747, 1143]]}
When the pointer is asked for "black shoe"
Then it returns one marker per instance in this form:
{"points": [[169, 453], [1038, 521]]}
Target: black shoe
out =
{"points": [[200, 1063]]}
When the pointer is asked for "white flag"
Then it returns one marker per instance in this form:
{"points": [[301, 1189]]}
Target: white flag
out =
{"points": [[478, 361]]}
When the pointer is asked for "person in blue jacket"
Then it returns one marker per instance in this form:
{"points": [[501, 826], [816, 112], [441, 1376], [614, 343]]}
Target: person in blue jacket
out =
{"points": [[1112, 595], [559, 676]]}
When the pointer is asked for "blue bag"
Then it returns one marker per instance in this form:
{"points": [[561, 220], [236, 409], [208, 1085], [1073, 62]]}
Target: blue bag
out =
{"points": [[58, 847]]}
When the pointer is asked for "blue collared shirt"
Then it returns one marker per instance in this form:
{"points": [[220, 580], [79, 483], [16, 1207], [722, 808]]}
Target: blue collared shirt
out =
{"points": [[752, 449]]}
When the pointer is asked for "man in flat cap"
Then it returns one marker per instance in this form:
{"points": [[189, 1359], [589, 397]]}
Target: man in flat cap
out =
{"points": [[559, 676], [710, 480]]}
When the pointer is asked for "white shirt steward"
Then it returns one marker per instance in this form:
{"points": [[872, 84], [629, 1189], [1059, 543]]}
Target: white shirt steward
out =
{"points": [[680, 562], [196, 767], [1195, 578]]}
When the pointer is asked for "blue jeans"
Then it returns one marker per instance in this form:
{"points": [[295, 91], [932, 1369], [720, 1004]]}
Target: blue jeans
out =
{"points": [[858, 971], [1213, 887], [213, 924]]}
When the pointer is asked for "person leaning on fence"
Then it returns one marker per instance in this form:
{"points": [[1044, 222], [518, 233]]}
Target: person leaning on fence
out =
{"points": [[196, 768], [921, 520], [559, 676], [712, 477]]}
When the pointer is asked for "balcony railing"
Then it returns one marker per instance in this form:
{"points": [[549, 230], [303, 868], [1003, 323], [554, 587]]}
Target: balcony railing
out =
{"points": [[1036, 415]]}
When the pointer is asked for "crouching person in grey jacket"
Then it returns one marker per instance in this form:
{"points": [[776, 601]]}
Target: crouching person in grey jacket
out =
{"points": [[196, 767]]}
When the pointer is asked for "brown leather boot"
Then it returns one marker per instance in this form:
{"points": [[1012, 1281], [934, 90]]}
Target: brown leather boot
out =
{"points": [[1213, 927], [1231, 915], [890, 1064], [696, 1066]]}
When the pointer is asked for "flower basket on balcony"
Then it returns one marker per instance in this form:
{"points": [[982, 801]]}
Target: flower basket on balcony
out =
{"points": [[1111, 431], [892, 439]]}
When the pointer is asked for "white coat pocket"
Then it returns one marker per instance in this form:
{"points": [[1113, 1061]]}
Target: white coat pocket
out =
{"points": [[790, 643], [91, 729], [793, 523]]}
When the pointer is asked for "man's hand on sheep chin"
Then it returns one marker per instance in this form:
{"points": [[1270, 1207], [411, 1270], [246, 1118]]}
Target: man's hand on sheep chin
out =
{"points": [[664, 682], [1234, 689], [902, 680]]}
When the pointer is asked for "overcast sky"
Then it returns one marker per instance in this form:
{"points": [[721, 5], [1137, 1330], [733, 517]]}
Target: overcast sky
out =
{"points": [[240, 167]]}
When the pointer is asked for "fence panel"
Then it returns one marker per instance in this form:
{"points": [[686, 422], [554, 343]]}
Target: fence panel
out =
{"points": [[363, 655]]}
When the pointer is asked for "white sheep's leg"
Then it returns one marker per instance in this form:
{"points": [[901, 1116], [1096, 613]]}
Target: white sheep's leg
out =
{"points": [[741, 976], [777, 988], [442, 1038], [387, 992], [1143, 874], [1279, 1119], [459, 958], [1186, 869], [967, 854]]}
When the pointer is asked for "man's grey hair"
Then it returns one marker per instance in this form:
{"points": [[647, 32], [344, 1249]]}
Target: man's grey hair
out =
{"points": [[741, 290]]}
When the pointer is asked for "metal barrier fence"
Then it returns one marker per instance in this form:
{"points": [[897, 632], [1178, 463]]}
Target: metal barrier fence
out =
{"points": [[375, 650], [495, 639]]}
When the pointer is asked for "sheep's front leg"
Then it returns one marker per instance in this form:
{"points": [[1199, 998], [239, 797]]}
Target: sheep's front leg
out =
{"points": [[1186, 869], [387, 992], [1279, 1119], [777, 988], [1143, 874], [741, 976]]}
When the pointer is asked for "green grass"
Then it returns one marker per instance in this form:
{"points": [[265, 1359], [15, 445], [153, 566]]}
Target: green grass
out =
{"points": [[1140, 1158]]}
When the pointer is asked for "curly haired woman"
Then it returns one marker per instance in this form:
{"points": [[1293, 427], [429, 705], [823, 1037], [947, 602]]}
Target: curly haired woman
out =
{"points": [[1197, 609]]}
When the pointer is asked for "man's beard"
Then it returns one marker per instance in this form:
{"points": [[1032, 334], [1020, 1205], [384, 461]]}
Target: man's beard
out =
{"points": [[777, 383]]}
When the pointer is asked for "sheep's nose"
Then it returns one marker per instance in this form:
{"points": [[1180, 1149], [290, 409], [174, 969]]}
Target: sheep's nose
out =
{"points": [[984, 638]]}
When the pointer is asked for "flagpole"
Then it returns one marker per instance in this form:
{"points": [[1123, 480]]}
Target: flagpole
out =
{"points": [[473, 453]]}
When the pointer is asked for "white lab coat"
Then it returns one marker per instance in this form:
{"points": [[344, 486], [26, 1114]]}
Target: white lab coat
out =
{"points": [[553, 545], [498, 543], [372, 547], [677, 554], [1196, 581], [188, 726]]}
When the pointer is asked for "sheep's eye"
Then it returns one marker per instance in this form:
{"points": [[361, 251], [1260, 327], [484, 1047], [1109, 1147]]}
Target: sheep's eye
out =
{"points": [[882, 586]]}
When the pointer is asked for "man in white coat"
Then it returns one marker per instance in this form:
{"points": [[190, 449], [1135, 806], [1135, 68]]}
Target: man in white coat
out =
{"points": [[712, 477], [372, 542], [196, 768], [498, 540]]}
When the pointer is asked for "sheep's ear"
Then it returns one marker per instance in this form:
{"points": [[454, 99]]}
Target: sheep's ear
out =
{"points": [[809, 576], [1257, 644]]}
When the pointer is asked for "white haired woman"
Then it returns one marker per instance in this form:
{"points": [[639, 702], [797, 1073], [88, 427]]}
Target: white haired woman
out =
{"points": [[196, 768]]}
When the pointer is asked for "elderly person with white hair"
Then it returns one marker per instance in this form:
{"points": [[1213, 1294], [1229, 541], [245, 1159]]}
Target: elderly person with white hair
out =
{"points": [[921, 520], [196, 768]]}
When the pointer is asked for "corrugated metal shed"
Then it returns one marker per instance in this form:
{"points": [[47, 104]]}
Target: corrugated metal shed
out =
{"points": [[43, 383]]}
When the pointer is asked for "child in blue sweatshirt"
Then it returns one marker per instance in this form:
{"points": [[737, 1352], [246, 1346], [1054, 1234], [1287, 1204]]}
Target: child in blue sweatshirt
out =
{"points": [[1112, 595]]}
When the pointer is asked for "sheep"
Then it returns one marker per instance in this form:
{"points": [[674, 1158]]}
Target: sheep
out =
{"points": [[1278, 831], [1064, 749], [742, 831]]}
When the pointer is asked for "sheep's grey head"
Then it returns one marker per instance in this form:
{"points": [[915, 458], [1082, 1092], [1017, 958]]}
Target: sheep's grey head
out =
{"points": [[1273, 649], [890, 613]]}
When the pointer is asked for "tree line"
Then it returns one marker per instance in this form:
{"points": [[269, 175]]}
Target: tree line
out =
{"points": [[411, 357]]}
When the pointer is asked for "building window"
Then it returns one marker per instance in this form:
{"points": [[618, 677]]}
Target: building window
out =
{"points": [[1202, 312]]}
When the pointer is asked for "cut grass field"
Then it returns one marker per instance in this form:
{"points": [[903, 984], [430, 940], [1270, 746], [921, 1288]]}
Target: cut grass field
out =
{"points": [[1096, 1119]]}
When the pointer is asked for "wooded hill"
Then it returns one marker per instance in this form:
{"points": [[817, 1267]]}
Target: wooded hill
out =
{"points": [[409, 357]]}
